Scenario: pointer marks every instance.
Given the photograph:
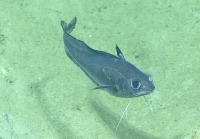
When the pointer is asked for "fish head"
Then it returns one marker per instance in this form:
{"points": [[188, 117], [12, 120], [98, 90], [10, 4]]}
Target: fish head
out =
{"points": [[135, 85]]}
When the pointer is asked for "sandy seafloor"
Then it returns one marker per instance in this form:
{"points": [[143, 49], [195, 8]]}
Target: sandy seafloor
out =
{"points": [[44, 95]]}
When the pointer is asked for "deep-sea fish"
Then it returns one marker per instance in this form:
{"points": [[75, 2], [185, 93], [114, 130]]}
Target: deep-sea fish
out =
{"points": [[112, 73]]}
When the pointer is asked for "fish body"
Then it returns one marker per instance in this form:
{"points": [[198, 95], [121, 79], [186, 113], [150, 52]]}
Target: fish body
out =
{"points": [[112, 73]]}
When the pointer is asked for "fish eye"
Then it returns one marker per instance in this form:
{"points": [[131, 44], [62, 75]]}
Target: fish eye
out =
{"points": [[135, 84]]}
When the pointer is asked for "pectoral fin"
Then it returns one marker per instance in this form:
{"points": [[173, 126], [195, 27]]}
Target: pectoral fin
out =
{"points": [[104, 86]]}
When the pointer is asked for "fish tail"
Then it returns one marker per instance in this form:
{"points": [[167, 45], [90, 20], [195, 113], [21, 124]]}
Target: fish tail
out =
{"points": [[68, 28]]}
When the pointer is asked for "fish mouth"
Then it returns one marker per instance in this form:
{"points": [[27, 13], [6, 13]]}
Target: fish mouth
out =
{"points": [[143, 93]]}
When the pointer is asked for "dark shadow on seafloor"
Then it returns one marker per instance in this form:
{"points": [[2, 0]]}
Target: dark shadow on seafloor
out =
{"points": [[62, 130], [126, 131]]}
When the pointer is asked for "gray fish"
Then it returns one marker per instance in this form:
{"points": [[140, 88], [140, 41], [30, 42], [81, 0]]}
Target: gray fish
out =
{"points": [[114, 74]]}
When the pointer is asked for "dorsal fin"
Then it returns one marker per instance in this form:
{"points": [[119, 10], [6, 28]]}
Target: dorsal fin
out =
{"points": [[119, 53]]}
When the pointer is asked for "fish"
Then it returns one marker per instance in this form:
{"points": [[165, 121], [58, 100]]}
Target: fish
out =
{"points": [[112, 73]]}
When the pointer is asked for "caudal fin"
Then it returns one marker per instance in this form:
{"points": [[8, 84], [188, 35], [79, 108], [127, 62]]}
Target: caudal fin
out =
{"points": [[68, 28]]}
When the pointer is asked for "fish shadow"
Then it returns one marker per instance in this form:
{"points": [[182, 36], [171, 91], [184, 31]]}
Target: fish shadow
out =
{"points": [[125, 130]]}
